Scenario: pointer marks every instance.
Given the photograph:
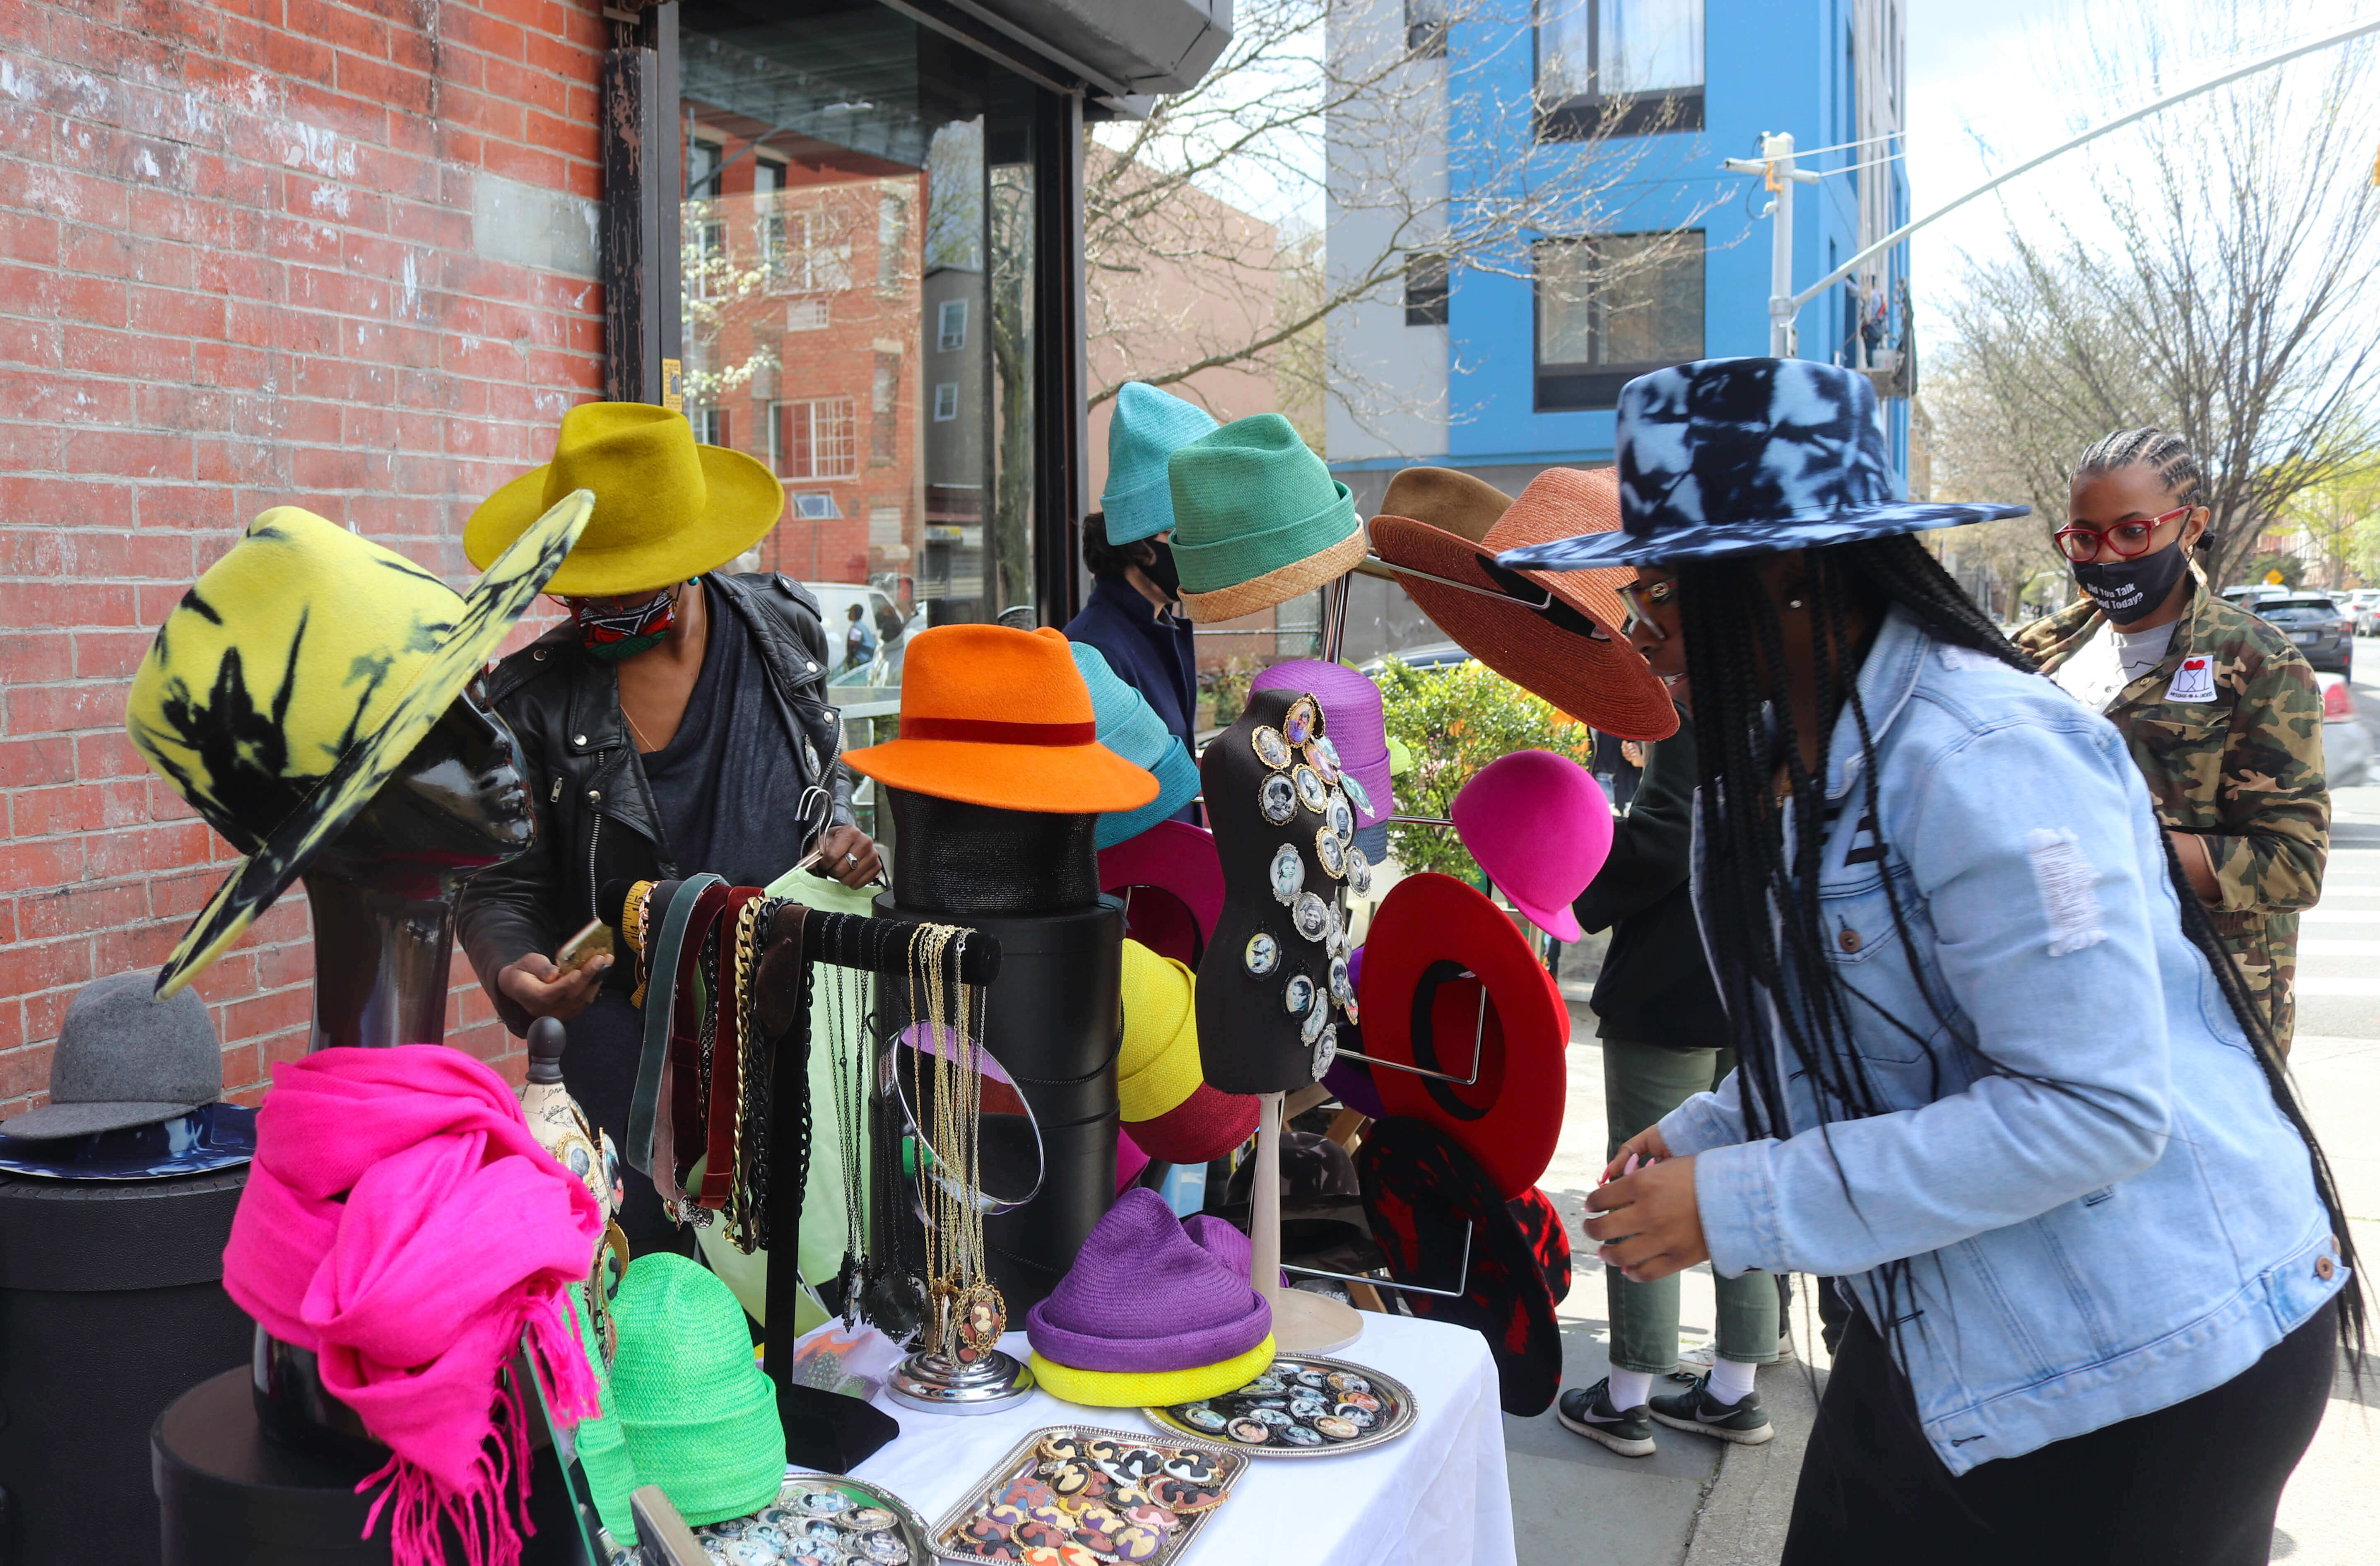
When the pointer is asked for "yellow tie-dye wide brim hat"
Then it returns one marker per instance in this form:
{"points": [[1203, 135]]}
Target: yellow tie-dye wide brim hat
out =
{"points": [[667, 508], [296, 676]]}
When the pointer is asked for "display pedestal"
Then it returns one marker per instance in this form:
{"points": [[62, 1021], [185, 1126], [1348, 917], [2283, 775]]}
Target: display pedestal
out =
{"points": [[111, 1305], [1302, 1322], [1051, 1019], [231, 1495], [938, 1384]]}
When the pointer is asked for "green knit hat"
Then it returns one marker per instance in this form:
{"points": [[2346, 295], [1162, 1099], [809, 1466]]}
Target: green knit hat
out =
{"points": [[1257, 519], [701, 1420], [602, 1445], [1146, 427]]}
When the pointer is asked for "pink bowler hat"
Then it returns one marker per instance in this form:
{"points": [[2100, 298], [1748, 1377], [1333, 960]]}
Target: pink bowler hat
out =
{"points": [[1539, 826]]}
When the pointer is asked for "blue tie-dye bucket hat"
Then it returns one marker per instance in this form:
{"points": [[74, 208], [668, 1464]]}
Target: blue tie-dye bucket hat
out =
{"points": [[1749, 457]]}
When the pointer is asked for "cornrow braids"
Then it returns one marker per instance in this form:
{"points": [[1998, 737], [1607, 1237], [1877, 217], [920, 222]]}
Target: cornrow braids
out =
{"points": [[2165, 454]]}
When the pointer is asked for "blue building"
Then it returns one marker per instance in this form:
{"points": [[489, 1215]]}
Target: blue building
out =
{"points": [[1573, 152]]}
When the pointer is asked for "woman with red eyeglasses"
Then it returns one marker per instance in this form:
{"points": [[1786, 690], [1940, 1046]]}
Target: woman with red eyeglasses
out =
{"points": [[2222, 713]]}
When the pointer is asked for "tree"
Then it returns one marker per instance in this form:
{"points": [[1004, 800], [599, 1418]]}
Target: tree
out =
{"points": [[2231, 299], [1168, 197]]}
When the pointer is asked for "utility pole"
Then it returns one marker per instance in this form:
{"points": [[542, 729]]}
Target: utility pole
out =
{"points": [[1775, 164]]}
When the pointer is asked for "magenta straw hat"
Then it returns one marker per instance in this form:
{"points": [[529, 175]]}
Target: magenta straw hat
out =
{"points": [[1144, 1298], [1539, 826], [1352, 720]]}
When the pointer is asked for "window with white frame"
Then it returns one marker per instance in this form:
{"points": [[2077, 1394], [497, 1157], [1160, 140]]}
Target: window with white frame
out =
{"points": [[946, 402], [814, 439], [804, 252], [950, 326], [711, 260], [1618, 66], [1611, 307]]}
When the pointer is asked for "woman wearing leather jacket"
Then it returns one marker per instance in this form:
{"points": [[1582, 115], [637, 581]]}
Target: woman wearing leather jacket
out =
{"points": [[677, 723]]}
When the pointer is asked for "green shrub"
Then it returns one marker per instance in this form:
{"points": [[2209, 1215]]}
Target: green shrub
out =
{"points": [[1456, 721]]}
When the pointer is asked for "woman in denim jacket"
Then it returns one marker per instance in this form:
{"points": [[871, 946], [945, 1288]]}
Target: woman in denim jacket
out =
{"points": [[1996, 1075]]}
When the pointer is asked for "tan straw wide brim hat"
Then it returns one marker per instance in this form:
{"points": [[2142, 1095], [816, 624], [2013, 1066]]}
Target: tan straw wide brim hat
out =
{"points": [[1605, 683], [666, 508]]}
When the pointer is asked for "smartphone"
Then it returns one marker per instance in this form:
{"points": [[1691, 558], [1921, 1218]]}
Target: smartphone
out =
{"points": [[588, 943]]}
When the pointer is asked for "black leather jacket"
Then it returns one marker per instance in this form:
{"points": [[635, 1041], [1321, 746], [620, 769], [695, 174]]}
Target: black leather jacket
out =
{"points": [[596, 821]]}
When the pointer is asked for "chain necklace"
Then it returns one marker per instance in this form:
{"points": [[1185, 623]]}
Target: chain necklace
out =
{"points": [[848, 1067], [965, 1313]]}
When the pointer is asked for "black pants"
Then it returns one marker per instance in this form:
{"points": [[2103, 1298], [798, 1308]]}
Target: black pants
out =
{"points": [[2194, 1484]]}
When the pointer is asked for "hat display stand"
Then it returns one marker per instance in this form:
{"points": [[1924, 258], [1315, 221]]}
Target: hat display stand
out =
{"points": [[272, 1474], [1053, 1017], [1303, 1323]]}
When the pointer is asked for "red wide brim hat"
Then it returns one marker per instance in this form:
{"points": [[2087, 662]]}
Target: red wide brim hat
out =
{"points": [[1434, 944], [1606, 683]]}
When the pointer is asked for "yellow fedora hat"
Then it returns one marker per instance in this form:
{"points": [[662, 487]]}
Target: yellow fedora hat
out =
{"points": [[294, 677], [666, 508]]}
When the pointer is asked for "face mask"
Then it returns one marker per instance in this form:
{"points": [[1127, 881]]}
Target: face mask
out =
{"points": [[2130, 590], [613, 634], [1161, 569]]}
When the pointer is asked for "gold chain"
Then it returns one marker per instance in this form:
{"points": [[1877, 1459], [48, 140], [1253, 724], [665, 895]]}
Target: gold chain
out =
{"points": [[736, 1213], [635, 919], [966, 1311]]}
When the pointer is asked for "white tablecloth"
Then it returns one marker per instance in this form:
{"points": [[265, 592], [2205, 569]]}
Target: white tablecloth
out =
{"points": [[1434, 1497]]}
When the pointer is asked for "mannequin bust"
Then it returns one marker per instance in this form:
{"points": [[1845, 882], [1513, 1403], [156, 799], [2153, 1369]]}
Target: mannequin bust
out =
{"points": [[383, 897], [1254, 1036]]}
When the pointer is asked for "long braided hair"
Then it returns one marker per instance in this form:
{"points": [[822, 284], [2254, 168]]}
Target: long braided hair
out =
{"points": [[1759, 887], [2163, 453]]}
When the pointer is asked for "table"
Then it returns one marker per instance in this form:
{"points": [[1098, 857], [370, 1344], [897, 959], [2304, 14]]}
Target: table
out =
{"points": [[1434, 1497]]}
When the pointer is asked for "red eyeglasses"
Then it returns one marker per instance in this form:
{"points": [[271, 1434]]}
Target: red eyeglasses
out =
{"points": [[2129, 540]]}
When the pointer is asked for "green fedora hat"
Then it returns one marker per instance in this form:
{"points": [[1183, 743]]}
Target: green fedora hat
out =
{"points": [[1257, 519], [700, 1417]]}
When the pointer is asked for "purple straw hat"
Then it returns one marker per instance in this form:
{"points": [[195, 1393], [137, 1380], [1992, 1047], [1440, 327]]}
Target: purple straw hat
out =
{"points": [[1352, 720], [1143, 1298]]}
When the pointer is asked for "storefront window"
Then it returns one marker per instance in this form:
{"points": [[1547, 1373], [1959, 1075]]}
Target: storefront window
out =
{"points": [[858, 261]]}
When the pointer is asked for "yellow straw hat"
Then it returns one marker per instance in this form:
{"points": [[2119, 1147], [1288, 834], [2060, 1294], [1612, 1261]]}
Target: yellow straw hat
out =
{"points": [[666, 509], [294, 677]]}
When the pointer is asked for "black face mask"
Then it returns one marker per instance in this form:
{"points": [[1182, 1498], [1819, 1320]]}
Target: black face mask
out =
{"points": [[2132, 589], [1160, 570]]}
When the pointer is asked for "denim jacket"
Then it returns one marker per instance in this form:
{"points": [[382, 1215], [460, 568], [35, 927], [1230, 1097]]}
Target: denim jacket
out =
{"points": [[2105, 1211]]}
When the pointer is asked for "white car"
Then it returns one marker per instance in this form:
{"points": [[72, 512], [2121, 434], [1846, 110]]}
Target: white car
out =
{"points": [[892, 633], [2346, 743]]}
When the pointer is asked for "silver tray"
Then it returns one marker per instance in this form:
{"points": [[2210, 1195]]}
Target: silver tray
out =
{"points": [[1393, 1418], [764, 1539], [1025, 1457]]}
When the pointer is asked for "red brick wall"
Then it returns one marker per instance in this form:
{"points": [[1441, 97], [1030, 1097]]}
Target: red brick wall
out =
{"points": [[238, 269]]}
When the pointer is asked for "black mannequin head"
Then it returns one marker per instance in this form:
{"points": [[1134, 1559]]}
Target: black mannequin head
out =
{"points": [[457, 804], [1249, 1039], [951, 859]]}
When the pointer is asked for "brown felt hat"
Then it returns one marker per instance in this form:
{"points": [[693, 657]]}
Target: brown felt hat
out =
{"points": [[1446, 498], [1604, 681]]}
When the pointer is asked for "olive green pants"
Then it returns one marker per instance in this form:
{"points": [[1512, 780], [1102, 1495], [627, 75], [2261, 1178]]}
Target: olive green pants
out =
{"points": [[1641, 1084]]}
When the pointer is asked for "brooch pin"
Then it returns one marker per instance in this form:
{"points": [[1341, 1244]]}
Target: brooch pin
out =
{"points": [[1310, 791], [1263, 954], [1271, 748], [1288, 874], [1277, 797]]}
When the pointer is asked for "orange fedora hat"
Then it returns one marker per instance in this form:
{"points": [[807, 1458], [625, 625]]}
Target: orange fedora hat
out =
{"points": [[1604, 681], [993, 715]]}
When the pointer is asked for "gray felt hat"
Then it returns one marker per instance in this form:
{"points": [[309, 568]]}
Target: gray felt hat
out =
{"points": [[124, 1058]]}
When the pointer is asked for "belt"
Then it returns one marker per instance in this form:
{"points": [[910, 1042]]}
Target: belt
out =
{"points": [[661, 1002], [727, 1058]]}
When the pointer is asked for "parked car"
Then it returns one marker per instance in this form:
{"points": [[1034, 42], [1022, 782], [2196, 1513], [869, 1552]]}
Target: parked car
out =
{"points": [[2249, 594], [2318, 625], [1429, 656], [2346, 743], [2362, 607]]}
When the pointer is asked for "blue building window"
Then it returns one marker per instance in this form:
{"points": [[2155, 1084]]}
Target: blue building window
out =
{"points": [[1425, 29], [1618, 67], [1611, 307]]}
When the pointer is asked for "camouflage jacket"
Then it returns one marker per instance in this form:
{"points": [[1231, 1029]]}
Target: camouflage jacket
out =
{"points": [[2242, 770]]}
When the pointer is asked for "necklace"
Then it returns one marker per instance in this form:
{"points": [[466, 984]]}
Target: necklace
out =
{"points": [[966, 1314], [847, 1071], [644, 746]]}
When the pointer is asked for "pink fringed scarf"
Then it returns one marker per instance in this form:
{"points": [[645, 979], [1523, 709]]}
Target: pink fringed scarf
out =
{"points": [[400, 1222]]}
